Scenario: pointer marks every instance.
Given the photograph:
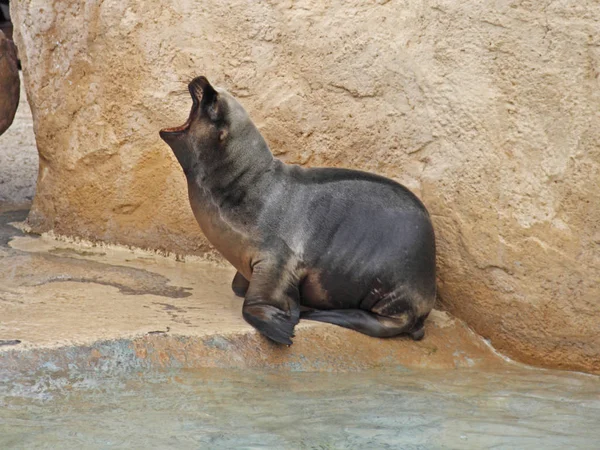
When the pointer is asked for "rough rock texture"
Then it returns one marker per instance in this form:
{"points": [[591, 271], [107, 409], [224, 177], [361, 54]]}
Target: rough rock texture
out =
{"points": [[490, 111], [9, 82]]}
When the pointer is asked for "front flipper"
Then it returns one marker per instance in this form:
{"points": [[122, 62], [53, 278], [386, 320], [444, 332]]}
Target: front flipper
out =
{"points": [[239, 285], [272, 301], [271, 321]]}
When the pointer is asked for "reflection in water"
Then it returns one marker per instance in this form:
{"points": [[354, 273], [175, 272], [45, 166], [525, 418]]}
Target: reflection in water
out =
{"points": [[211, 408]]}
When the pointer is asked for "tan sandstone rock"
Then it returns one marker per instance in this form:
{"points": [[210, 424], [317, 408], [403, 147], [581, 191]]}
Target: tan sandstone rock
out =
{"points": [[489, 111]]}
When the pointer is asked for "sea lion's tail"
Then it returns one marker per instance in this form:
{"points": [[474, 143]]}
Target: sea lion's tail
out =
{"points": [[417, 332]]}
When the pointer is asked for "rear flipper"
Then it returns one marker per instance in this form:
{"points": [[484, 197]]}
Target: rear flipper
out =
{"points": [[366, 322]]}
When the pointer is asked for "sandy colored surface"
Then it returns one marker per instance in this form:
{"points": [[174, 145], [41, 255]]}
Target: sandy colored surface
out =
{"points": [[80, 304], [488, 111]]}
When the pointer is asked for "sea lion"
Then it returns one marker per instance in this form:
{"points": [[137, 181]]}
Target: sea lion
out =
{"points": [[352, 248], [9, 82]]}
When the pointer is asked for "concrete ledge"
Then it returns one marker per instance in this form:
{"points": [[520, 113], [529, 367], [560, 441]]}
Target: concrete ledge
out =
{"points": [[448, 344], [78, 306]]}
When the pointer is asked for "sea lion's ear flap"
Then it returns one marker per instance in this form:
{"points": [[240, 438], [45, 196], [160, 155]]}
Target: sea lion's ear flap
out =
{"points": [[209, 96]]}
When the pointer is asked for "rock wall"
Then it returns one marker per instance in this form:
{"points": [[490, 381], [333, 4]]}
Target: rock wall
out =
{"points": [[489, 111]]}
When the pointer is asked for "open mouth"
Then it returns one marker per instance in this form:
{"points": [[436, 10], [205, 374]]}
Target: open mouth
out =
{"points": [[186, 125]]}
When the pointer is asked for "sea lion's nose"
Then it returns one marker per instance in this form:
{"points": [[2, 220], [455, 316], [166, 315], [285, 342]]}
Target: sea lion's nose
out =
{"points": [[195, 90], [197, 86]]}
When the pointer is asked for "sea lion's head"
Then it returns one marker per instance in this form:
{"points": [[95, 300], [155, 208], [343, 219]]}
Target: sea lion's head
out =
{"points": [[215, 129]]}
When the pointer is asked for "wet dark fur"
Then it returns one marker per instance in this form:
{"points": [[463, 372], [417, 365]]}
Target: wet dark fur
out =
{"points": [[9, 83], [352, 248]]}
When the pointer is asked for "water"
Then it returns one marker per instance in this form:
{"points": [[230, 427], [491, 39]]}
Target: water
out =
{"points": [[215, 408]]}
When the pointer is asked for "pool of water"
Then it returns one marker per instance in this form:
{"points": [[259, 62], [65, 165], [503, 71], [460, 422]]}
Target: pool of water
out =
{"points": [[213, 408]]}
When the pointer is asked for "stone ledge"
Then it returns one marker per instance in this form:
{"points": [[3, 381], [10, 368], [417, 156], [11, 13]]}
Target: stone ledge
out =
{"points": [[448, 344], [79, 306]]}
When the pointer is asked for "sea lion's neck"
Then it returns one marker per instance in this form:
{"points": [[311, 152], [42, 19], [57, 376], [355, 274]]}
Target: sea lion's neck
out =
{"points": [[226, 199], [228, 180]]}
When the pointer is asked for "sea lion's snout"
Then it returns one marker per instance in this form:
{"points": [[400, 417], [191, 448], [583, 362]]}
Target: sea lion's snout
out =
{"points": [[203, 95], [204, 128]]}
